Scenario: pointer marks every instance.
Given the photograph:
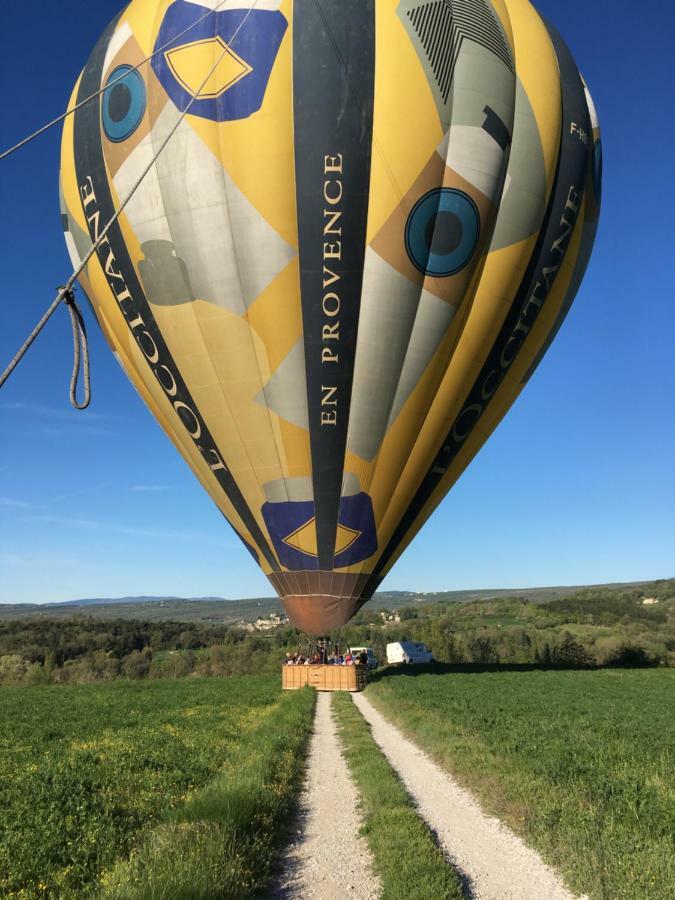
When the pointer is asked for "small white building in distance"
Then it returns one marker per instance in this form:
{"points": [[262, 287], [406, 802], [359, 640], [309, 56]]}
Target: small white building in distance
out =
{"points": [[390, 617], [649, 601], [272, 621]]}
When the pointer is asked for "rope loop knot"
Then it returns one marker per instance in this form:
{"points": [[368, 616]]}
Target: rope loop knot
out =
{"points": [[80, 349]]}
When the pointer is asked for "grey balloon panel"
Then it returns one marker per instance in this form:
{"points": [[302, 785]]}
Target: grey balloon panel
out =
{"points": [[523, 203], [286, 391], [400, 329], [431, 325], [480, 76], [389, 304], [231, 252], [164, 274], [299, 490], [460, 54], [475, 155]]}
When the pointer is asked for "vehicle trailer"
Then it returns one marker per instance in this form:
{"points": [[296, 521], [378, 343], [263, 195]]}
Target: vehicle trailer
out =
{"points": [[408, 653]]}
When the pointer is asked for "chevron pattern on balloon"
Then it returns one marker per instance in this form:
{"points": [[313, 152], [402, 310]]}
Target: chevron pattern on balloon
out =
{"points": [[444, 22]]}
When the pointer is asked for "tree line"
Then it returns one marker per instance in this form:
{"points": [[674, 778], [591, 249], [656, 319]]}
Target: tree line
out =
{"points": [[588, 629]]}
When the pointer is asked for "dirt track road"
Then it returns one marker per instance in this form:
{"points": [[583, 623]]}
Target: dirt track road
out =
{"points": [[327, 859], [494, 862]]}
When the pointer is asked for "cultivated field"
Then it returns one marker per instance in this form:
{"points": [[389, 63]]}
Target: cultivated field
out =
{"points": [[128, 789], [132, 789], [581, 763]]}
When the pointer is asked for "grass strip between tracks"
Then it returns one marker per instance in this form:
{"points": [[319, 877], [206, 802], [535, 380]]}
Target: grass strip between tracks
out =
{"points": [[405, 854], [222, 841]]}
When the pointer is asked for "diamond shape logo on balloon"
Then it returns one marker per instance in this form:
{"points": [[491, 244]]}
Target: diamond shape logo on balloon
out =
{"points": [[193, 66], [292, 527], [244, 42]]}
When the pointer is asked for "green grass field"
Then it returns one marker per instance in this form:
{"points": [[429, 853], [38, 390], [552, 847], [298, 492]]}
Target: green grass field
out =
{"points": [[581, 763], [115, 789]]}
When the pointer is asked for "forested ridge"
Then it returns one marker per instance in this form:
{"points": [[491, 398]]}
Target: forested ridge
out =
{"points": [[595, 627]]}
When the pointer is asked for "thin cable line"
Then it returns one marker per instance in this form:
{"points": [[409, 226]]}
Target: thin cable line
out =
{"points": [[97, 93], [66, 289]]}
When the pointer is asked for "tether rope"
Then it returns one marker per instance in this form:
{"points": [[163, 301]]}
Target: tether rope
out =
{"points": [[80, 353], [69, 112], [79, 334]]}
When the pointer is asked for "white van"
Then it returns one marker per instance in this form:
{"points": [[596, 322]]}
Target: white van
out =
{"points": [[408, 652], [372, 659]]}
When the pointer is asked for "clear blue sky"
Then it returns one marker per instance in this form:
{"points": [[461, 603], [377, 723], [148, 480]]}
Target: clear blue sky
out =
{"points": [[576, 486]]}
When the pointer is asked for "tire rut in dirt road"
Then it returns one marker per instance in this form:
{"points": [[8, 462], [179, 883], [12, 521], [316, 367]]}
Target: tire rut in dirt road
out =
{"points": [[494, 862], [326, 859]]}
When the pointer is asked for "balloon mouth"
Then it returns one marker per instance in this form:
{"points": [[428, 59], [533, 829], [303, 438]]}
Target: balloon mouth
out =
{"points": [[317, 615], [318, 602]]}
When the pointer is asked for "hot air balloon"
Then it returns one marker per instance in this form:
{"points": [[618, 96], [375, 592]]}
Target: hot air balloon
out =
{"points": [[361, 226]]}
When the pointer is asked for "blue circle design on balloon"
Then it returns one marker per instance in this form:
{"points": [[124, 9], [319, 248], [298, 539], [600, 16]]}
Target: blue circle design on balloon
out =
{"points": [[442, 231], [124, 101]]}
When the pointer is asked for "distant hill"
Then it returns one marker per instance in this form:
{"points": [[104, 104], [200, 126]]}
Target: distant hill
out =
{"points": [[222, 610], [108, 601]]}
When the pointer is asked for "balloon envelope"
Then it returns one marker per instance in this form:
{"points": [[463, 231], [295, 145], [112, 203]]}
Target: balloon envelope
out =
{"points": [[345, 261]]}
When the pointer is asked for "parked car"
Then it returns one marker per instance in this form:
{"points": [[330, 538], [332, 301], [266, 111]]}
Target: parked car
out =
{"points": [[408, 653], [372, 659]]}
